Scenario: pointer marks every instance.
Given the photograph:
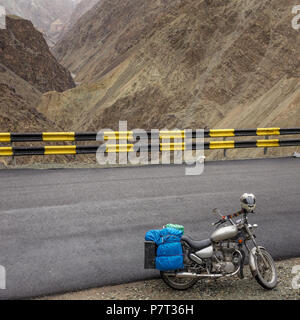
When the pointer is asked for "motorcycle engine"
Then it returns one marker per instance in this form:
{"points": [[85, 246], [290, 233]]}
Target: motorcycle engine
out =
{"points": [[225, 258]]}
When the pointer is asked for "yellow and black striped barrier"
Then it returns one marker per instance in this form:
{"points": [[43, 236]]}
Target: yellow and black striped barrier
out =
{"points": [[133, 135], [120, 148]]}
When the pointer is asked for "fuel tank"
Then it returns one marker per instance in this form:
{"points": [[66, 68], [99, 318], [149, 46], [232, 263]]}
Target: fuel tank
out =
{"points": [[224, 233]]}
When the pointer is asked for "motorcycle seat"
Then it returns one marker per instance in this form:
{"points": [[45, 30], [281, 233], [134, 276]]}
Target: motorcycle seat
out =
{"points": [[196, 244]]}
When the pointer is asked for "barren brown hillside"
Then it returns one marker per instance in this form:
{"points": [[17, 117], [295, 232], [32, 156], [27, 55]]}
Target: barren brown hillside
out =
{"points": [[185, 63], [17, 104], [24, 50], [18, 100], [80, 9], [27, 69], [48, 16]]}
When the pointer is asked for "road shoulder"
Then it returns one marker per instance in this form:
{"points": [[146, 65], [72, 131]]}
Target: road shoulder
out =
{"points": [[222, 289]]}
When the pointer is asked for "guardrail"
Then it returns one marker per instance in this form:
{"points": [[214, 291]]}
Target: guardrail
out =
{"points": [[119, 148], [132, 135]]}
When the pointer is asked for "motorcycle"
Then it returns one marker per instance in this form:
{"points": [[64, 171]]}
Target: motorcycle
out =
{"points": [[223, 255]]}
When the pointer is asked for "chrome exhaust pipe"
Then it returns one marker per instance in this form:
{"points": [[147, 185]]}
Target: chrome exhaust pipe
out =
{"points": [[198, 275]]}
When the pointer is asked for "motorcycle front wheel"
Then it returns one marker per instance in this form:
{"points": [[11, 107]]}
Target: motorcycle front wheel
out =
{"points": [[266, 275], [178, 283]]}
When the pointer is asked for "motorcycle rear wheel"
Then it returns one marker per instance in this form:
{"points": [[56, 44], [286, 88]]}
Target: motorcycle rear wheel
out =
{"points": [[178, 283]]}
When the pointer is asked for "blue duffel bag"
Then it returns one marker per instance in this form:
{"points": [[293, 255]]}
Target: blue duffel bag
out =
{"points": [[169, 263], [169, 255], [164, 235]]}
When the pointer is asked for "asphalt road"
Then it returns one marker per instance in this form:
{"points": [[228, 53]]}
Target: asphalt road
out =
{"points": [[71, 229]]}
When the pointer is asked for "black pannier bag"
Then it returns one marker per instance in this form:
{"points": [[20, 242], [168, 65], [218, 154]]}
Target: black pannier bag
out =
{"points": [[150, 254]]}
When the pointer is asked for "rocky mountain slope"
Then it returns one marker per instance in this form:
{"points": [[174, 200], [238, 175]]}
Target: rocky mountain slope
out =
{"points": [[48, 16], [24, 51], [52, 17], [18, 113], [183, 63], [27, 69], [99, 40], [81, 7], [17, 104]]}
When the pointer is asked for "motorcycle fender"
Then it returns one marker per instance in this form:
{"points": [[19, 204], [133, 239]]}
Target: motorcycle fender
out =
{"points": [[252, 260]]}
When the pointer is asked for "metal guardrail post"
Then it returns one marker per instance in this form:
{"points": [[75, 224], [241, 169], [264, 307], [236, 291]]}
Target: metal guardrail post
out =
{"points": [[13, 157], [225, 150], [266, 148]]}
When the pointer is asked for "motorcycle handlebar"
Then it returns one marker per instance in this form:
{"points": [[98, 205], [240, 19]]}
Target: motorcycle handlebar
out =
{"points": [[234, 215], [228, 217], [220, 221]]}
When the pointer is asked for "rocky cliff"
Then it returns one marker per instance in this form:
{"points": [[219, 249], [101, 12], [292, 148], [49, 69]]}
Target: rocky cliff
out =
{"points": [[18, 113], [24, 51], [18, 100], [48, 16], [82, 6], [27, 69], [182, 63]]}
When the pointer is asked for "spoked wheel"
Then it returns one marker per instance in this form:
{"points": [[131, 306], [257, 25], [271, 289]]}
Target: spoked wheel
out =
{"points": [[266, 273], [178, 283]]}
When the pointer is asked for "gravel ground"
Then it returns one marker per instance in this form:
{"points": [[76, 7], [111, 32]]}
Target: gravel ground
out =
{"points": [[221, 289]]}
